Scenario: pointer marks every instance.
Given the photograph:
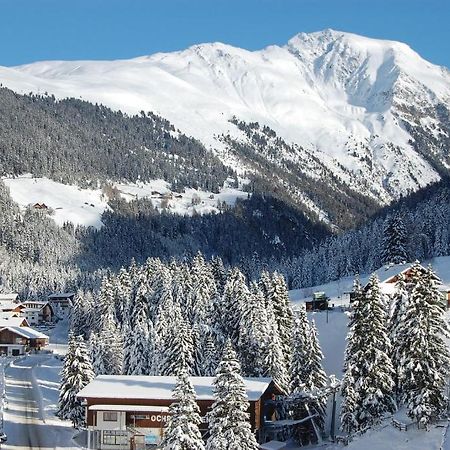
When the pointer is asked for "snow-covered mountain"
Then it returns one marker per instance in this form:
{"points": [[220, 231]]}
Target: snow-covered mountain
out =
{"points": [[369, 114]]}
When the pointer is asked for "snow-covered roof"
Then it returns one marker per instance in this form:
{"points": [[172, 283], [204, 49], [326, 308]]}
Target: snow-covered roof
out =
{"points": [[11, 321], [129, 408], [160, 387], [26, 332], [10, 297], [273, 445], [62, 295], [385, 273], [6, 305]]}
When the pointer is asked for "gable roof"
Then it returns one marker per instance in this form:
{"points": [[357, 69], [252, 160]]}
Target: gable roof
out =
{"points": [[62, 295], [26, 332], [143, 387], [9, 297], [12, 321], [6, 305]]}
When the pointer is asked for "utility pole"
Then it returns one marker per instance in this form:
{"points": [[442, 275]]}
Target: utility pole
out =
{"points": [[335, 384]]}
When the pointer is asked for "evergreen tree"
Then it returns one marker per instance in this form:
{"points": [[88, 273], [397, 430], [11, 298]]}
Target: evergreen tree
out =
{"points": [[307, 374], [140, 357], [76, 374], [175, 348], [279, 297], [397, 335], [108, 358], [210, 359], [274, 362], [394, 241], [229, 425], [424, 356], [253, 333], [300, 352], [182, 432], [368, 365]]}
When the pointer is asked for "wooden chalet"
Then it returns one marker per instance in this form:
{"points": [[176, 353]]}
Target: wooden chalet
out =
{"points": [[40, 206], [17, 340], [132, 411], [388, 277]]}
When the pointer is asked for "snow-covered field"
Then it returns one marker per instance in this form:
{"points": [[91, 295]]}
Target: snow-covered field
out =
{"points": [[71, 203]]}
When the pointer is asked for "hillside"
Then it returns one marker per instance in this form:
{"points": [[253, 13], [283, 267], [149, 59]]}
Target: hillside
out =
{"points": [[370, 114]]}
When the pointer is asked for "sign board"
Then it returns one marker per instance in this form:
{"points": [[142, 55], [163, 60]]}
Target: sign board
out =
{"points": [[152, 438]]}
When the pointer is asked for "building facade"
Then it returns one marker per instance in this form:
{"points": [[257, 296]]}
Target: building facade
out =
{"points": [[130, 412], [17, 340]]}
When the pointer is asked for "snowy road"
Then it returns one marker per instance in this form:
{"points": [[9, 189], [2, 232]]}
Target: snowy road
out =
{"points": [[25, 418]]}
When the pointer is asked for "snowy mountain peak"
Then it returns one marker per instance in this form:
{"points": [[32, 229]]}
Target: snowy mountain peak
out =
{"points": [[372, 112]]}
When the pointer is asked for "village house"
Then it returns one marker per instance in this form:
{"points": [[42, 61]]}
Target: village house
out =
{"points": [[37, 312], [12, 297], [61, 303], [319, 302], [17, 340], [132, 411], [388, 277]]}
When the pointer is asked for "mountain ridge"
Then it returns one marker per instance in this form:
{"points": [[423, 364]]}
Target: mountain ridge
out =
{"points": [[370, 111]]}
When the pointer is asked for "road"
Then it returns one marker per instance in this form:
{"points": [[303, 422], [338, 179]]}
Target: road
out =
{"points": [[24, 419]]}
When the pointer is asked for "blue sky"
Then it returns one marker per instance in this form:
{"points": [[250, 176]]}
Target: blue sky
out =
{"points": [[32, 30]]}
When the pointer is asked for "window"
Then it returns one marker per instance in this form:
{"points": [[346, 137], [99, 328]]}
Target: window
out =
{"points": [[140, 416], [110, 416], [115, 437]]}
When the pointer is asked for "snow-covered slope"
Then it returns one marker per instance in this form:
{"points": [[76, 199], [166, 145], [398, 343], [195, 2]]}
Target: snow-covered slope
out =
{"points": [[368, 109], [69, 203]]}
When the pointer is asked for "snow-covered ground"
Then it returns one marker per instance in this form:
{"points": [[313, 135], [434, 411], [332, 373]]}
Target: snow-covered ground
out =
{"points": [[71, 203], [32, 395]]}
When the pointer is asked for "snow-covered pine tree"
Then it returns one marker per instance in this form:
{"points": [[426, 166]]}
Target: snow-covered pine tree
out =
{"points": [[253, 333], [424, 357], [175, 346], [109, 346], [279, 297], [316, 380], [182, 432], [300, 352], [307, 374], [210, 359], [367, 360], [349, 422], [219, 273], [75, 375], [229, 425], [396, 330], [203, 289], [140, 357], [394, 241], [235, 295], [274, 362]]}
